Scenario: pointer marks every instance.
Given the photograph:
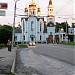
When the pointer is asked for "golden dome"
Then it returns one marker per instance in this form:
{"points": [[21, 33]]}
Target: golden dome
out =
{"points": [[38, 9], [32, 4], [26, 9]]}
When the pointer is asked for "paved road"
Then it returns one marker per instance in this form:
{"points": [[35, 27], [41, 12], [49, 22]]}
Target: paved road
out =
{"points": [[62, 52], [6, 60], [42, 65]]}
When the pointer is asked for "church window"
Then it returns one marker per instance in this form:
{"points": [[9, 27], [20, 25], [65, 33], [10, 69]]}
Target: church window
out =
{"points": [[23, 26], [40, 37], [33, 12], [32, 26], [40, 26]]}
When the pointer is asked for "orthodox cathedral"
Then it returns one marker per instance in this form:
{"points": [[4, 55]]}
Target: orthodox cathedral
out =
{"points": [[33, 29]]}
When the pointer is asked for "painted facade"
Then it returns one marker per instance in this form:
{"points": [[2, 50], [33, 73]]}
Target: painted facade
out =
{"points": [[32, 29], [33, 25]]}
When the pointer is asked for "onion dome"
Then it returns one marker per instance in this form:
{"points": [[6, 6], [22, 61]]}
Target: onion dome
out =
{"points": [[38, 9], [26, 9], [32, 4]]}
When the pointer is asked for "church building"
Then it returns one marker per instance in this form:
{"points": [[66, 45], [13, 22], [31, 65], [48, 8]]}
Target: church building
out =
{"points": [[32, 25]]}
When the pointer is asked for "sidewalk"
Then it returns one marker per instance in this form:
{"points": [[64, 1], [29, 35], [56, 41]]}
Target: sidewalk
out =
{"points": [[7, 60]]}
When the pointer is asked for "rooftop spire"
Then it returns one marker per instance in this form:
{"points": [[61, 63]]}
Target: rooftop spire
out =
{"points": [[50, 2]]}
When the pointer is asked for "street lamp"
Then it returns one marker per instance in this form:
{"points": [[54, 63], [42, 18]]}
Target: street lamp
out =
{"points": [[13, 34]]}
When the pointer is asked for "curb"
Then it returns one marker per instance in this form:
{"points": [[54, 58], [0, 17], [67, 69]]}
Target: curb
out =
{"points": [[13, 64]]}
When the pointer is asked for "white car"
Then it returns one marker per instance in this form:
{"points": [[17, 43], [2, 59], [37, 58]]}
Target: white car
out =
{"points": [[32, 44]]}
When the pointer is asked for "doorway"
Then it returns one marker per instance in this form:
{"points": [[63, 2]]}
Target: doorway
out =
{"points": [[32, 38]]}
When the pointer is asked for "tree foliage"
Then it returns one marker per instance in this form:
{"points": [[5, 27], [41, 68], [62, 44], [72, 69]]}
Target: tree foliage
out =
{"points": [[5, 33], [63, 25]]}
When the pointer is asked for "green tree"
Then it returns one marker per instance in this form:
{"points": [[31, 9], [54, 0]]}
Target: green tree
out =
{"points": [[65, 26], [62, 25], [0, 26], [57, 27], [5, 33]]}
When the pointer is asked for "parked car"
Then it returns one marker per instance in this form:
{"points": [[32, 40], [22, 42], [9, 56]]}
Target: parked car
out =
{"points": [[32, 44]]}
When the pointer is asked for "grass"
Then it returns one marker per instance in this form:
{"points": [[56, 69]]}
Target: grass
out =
{"points": [[11, 73], [23, 46], [2, 46], [67, 43]]}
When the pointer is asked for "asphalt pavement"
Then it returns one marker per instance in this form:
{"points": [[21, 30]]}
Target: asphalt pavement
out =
{"points": [[63, 52], [7, 60], [41, 65]]}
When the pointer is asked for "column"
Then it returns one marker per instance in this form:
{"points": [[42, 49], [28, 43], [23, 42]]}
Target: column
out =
{"points": [[62, 37]]}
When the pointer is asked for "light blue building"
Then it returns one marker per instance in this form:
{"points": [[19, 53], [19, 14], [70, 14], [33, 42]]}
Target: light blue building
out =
{"points": [[32, 29], [33, 25]]}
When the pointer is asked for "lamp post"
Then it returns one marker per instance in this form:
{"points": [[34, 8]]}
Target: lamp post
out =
{"points": [[13, 34]]}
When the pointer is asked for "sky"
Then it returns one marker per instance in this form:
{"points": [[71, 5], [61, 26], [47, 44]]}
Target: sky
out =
{"points": [[62, 8]]}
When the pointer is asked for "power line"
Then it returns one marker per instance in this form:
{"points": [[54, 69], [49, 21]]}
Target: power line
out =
{"points": [[65, 6]]}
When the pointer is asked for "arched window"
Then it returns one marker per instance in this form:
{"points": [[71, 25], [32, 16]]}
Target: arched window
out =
{"points": [[33, 12], [32, 26], [40, 26], [24, 37], [23, 26], [40, 37]]}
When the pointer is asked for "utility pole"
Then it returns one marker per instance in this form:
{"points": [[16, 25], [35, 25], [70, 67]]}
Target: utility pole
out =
{"points": [[13, 34]]}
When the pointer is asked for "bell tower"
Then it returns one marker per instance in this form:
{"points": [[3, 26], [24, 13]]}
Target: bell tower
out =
{"points": [[50, 10]]}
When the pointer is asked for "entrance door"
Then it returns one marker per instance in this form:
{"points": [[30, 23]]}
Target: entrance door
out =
{"points": [[32, 38]]}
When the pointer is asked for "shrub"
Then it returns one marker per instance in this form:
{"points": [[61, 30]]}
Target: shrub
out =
{"points": [[11, 73], [67, 43], [23, 46], [3, 45]]}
